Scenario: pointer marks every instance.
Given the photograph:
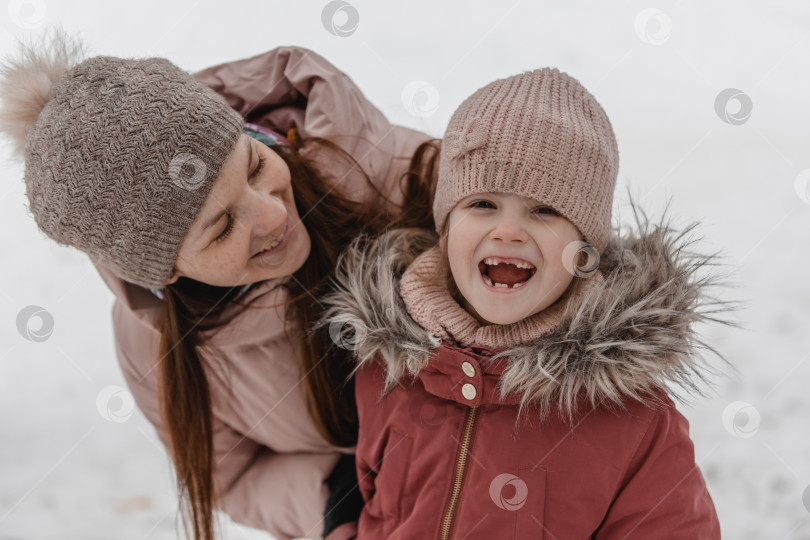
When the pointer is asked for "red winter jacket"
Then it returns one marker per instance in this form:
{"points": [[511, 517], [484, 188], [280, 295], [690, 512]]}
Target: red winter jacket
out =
{"points": [[443, 453], [434, 464]]}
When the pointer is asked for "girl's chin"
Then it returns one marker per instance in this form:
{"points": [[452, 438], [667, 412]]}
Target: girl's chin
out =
{"points": [[488, 316], [501, 319]]}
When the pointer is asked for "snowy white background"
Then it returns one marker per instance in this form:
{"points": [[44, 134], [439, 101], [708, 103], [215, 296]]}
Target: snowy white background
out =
{"points": [[657, 67]]}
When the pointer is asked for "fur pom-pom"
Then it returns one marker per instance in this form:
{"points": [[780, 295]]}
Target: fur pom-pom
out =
{"points": [[26, 80]]}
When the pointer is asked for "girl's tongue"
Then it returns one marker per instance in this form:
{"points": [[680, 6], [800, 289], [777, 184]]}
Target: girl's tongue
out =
{"points": [[505, 273]]}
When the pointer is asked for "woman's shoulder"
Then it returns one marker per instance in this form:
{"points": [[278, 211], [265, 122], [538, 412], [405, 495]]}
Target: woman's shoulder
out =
{"points": [[295, 86], [142, 303], [139, 309]]}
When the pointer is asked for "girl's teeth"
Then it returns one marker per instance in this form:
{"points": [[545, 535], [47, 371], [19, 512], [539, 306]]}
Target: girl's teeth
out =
{"points": [[491, 261], [488, 281], [502, 285]]}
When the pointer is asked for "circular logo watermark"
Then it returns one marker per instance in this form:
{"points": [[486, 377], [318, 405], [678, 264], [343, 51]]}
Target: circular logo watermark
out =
{"points": [[516, 501], [35, 333], [733, 106], [340, 18], [27, 14], [653, 26], [347, 334], [420, 98], [187, 171], [741, 419], [115, 404], [802, 186], [572, 257], [427, 412]]}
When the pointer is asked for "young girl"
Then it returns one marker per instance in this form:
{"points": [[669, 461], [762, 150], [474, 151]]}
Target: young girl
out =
{"points": [[513, 371]]}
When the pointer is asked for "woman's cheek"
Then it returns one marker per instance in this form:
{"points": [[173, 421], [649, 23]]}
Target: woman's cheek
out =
{"points": [[227, 259]]}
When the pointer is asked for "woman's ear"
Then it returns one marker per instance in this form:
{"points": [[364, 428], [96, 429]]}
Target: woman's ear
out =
{"points": [[175, 276]]}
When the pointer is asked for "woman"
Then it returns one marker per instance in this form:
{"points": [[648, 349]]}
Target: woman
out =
{"points": [[217, 247]]}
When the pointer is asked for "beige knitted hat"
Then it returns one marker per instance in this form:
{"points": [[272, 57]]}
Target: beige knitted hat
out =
{"points": [[539, 134], [120, 154]]}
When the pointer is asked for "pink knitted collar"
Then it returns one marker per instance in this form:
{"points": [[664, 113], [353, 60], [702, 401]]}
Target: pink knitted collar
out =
{"points": [[431, 305]]}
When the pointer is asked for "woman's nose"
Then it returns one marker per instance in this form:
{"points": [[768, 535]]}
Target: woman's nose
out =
{"points": [[269, 216], [509, 231]]}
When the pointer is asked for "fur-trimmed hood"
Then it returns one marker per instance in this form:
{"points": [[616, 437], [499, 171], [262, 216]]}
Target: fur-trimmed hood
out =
{"points": [[627, 339]]}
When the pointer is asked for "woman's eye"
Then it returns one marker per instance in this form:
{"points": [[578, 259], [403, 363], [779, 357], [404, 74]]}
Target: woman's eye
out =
{"points": [[228, 228], [546, 210], [482, 204], [257, 170]]}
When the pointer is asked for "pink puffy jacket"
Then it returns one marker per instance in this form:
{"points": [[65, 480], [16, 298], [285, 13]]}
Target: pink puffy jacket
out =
{"points": [[271, 461]]}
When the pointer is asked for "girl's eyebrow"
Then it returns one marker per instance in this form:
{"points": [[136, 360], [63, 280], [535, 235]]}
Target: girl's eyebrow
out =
{"points": [[213, 221]]}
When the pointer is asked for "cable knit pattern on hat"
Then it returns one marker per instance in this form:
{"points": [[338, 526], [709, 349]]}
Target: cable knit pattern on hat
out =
{"points": [[122, 157], [539, 134]]}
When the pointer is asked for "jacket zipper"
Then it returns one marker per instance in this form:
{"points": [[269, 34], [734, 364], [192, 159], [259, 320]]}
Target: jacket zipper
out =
{"points": [[459, 476]]}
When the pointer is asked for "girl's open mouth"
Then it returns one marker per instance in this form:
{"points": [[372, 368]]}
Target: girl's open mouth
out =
{"points": [[505, 273]]}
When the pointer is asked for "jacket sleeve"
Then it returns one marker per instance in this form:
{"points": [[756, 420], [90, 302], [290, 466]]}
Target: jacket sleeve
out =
{"points": [[282, 493], [293, 86], [347, 531], [664, 494]]}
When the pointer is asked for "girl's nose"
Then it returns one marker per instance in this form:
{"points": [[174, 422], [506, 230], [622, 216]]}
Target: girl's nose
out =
{"points": [[509, 231]]}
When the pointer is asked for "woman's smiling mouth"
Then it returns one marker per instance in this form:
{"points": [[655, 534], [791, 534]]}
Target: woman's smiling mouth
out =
{"points": [[277, 245]]}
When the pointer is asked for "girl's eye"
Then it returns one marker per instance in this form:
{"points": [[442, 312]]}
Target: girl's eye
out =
{"points": [[546, 210], [228, 228], [482, 204]]}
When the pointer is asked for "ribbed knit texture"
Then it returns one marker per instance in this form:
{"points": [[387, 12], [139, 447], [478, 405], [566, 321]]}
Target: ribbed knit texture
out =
{"points": [[431, 305], [122, 158], [541, 135]]}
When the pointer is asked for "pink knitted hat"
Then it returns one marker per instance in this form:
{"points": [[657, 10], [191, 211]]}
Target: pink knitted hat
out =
{"points": [[539, 134]]}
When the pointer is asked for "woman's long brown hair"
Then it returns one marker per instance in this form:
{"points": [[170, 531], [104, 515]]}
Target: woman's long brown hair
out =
{"points": [[191, 308]]}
